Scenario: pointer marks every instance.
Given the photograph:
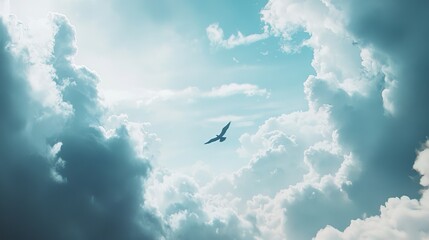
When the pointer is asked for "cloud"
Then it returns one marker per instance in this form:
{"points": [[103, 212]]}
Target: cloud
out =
{"points": [[83, 185], [191, 214], [217, 38], [234, 89], [368, 88], [346, 80], [295, 178], [400, 218], [190, 94], [64, 176]]}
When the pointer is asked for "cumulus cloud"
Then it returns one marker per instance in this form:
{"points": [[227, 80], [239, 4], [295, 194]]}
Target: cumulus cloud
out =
{"points": [[400, 217], [298, 168], [193, 215], [368, 88], [217, 38], [372, 85], [84, 185]]}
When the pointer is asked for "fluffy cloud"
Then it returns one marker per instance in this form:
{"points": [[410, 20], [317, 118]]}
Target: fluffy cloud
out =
{"points": [[400, 218], [277, 153], [193, 215], [358, 82], [373, 87], [217, 38], [295, 179], [83, 185]]}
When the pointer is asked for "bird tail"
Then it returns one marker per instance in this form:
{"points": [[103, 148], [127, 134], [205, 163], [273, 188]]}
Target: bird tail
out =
{"points": [[222, 139]]}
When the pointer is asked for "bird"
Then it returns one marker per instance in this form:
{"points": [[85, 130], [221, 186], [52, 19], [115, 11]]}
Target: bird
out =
{"points": [[219, 137]]}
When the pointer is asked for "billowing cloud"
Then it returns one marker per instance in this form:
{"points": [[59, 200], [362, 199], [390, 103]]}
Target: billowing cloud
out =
{"points": [[370, 88], [193, 215], [69, 182], [277, 153], [297, 173], [400, 217], [369, 84], [217, 38]]}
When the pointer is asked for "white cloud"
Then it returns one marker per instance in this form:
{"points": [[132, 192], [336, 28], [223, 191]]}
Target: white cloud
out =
{"points": [[297, 164], [145, 143], [335, 60], [191, 214], [235, 89], [400, 218], [217, 38], [357, 84], [422, 165]]}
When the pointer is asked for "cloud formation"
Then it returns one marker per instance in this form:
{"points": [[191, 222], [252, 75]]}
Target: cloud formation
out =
{"points": [[63, 176], [217, 38], [190, 214], [400, 218], [370, 89], [73, 182]]}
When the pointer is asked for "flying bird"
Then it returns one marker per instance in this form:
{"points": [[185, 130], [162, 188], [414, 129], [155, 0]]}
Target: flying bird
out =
{"points": [[219, 137]]}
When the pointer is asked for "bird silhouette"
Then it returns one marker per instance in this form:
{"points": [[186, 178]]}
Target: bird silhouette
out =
{"points": [[219, 137]]}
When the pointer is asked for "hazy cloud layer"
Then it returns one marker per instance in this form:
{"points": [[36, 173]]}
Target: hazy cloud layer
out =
{"points": [[190, 94]]}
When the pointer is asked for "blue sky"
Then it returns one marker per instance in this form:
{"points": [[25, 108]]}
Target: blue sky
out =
{"points": [[106, 106]]}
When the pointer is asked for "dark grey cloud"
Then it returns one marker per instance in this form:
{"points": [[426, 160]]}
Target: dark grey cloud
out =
{"points": [[99, 194]]}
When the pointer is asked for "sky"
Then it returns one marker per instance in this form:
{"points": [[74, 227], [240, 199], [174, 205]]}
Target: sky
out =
{"points": [[106, 106]]}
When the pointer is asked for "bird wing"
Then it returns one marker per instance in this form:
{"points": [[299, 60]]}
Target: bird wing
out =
{"points": [[224, 129], [212, 140]]}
